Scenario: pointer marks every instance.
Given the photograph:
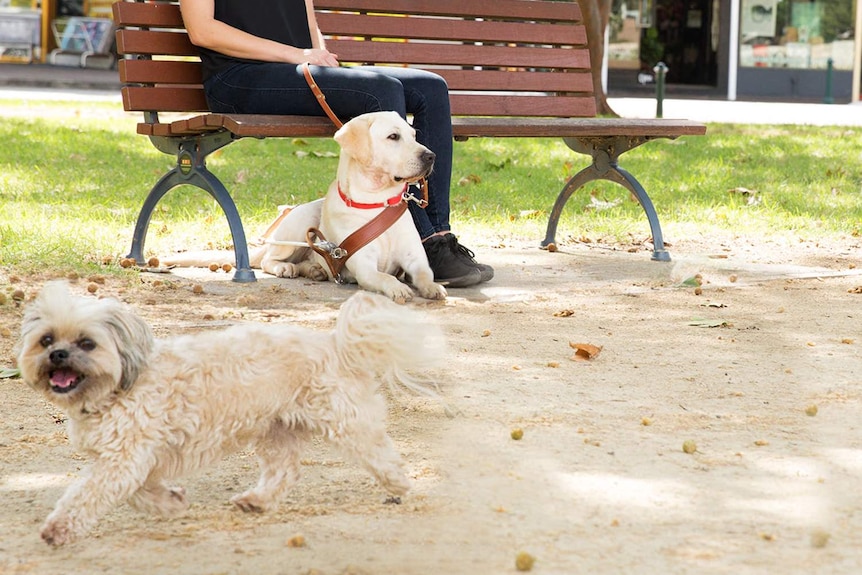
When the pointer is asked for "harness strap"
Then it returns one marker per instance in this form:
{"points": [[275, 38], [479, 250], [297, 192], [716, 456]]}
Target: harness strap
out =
{"points": [[355, 241]]}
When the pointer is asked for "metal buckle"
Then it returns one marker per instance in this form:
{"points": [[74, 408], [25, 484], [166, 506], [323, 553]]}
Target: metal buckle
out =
{"points": [[408, 196], [336, 252]]}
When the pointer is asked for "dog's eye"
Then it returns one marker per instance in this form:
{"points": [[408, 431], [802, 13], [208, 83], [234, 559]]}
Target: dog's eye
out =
{"points": [[46, 340], [395, 136], [87, 344]]}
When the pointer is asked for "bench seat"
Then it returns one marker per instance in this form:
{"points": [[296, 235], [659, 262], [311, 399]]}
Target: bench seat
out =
{"points": [[264, 126]]}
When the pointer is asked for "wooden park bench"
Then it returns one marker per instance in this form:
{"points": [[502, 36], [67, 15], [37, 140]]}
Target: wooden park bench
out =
{"points": [[515, 68]]}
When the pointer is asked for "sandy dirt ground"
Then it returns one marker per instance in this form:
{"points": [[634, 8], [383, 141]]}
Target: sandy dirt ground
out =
{"points": [[758, 373]]}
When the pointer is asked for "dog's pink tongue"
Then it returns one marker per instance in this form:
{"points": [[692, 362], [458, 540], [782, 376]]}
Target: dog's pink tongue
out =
{"points": [[63, 379]]}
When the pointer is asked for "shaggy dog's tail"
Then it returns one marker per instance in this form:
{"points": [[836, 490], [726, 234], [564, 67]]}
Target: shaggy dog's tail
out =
{"points": [[375, 335]]}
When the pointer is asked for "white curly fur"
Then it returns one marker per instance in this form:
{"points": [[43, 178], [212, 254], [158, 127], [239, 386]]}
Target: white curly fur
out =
{"points": [[196, 398]]}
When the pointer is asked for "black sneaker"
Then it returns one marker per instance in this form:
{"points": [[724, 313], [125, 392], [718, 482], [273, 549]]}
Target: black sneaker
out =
{"points": [[467, 256], [449, 269]]}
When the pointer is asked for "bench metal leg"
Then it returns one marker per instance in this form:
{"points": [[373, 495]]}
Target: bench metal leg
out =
{"points": [[605, 152], [191, 170]]}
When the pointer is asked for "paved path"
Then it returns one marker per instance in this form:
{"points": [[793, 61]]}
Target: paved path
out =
{"points": [[33, 82], [723, 111]]}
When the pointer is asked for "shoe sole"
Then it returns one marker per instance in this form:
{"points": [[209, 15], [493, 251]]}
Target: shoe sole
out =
{"points": [[471, 279], [487, 272]]}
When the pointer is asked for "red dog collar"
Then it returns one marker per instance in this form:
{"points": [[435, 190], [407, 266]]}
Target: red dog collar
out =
{"points": [[393, 201]]}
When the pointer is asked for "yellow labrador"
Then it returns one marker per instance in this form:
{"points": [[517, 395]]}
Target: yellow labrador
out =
{"points": [[379, 157]]}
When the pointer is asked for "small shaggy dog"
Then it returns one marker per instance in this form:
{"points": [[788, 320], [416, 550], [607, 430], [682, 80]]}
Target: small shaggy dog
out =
{"points": [[149, 411]]}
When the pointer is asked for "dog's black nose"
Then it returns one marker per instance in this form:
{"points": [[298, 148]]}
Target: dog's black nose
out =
{"points": [[59, 356], [428, 157]]}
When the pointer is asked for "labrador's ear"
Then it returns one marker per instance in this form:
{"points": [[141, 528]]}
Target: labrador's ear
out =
{"points": [[354, 137]]}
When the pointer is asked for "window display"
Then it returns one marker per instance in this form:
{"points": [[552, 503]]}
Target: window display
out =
{"points": [[796, 34]]}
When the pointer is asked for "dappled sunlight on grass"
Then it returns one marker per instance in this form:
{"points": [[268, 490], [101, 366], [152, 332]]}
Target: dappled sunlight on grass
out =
{"points": [[96, 171]]}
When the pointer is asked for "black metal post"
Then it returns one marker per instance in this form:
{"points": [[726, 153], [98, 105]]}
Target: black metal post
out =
{"points": [[660, 70]]}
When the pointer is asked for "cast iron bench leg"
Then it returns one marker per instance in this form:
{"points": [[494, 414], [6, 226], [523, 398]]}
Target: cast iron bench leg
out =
{"points": [[191, 170], [605, 152]]}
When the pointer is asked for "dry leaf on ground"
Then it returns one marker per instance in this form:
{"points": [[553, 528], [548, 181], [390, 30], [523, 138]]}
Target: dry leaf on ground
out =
{"points": [[584, 351]]}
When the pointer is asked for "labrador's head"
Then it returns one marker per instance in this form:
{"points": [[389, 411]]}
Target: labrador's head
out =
{"points": [[384, 146]]}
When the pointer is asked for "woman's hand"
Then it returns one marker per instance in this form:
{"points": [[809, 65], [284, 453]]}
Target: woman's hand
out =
{"points": [[320, 57]]}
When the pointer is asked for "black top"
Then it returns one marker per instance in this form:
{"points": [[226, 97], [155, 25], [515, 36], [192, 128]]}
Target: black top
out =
{"points": [[284, 21]]}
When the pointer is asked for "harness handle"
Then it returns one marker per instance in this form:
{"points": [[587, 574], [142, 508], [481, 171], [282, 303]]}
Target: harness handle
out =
{"points": [[318, 93]]}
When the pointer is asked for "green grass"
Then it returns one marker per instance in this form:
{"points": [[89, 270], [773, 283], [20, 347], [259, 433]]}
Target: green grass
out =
{"points": [[71, 186]]}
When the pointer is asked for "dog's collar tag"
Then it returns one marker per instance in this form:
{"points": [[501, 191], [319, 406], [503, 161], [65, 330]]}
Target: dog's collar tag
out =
{"points": [[393, 201]]}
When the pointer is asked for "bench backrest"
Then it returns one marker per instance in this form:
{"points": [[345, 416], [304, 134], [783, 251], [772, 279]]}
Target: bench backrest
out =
{"points": [[500, 57]]}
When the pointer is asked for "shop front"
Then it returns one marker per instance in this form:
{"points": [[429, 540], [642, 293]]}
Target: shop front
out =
{"points": [[793, 50], [62, 32]]}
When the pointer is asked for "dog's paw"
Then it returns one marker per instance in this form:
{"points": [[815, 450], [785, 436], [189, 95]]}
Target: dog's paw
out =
{"points": [[317, 273], [395, 482], [160, 499], [432, 291], [312, 270], [283, 270], [175, 502], [398, 292], [58, 531], [250, 502]]}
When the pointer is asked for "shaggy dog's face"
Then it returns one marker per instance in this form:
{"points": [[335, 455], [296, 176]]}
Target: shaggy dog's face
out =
{"points": [[77, 350]]}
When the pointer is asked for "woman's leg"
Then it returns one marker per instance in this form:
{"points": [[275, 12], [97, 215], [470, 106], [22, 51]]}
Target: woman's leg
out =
{"points": [[426, 97]]}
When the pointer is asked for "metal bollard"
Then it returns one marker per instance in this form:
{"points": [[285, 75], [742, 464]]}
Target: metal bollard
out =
{"points": [[660, 70], [828, 99]]}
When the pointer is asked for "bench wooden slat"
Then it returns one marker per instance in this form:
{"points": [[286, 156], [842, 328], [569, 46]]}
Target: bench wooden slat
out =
{"points": [[150, 14], [164, 99], [192, 98], [490, 80], [153, 43], [257, 125], [459, 55], [168, 15], [493, 105], [245, 126], [382, 26], [574, 127], [498, 9], [185, 73], [159, 71], [387, 26]]}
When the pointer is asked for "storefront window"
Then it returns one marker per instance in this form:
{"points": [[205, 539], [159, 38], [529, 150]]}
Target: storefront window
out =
{"points": [[796, 34], [626, 20]]}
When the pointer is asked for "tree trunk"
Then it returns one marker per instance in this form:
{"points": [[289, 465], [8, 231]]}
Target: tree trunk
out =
{"points": [[596, 14]]}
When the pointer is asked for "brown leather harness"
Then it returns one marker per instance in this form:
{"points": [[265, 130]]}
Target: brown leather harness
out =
{"points": [[393, 208]]}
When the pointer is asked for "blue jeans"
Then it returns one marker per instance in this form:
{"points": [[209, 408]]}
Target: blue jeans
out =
{"points": [[272, 88]]}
